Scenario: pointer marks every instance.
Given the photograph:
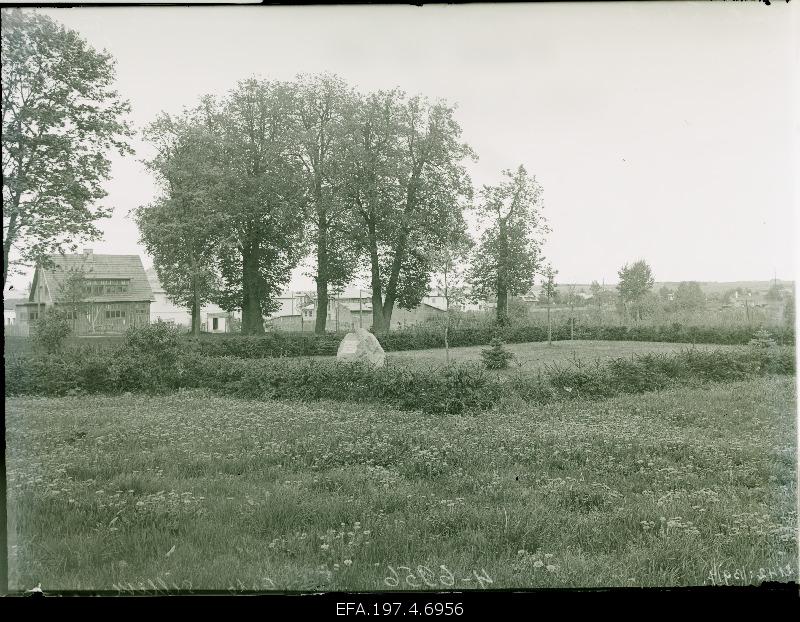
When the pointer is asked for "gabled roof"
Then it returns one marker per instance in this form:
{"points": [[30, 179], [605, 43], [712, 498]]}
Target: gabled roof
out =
{"points": [[96, 267]]}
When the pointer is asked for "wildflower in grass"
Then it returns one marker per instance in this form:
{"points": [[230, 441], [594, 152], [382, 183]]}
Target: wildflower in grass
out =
{"points": [[325, 547], [538, 563], [348, 562], [551, 567]]}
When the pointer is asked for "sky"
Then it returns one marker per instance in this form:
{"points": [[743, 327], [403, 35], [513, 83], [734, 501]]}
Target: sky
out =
{"points": [[664, 131]]}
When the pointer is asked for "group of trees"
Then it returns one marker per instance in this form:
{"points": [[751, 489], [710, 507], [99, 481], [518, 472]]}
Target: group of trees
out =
{"points": [[275, 172], [60, 117], [255, 181]]}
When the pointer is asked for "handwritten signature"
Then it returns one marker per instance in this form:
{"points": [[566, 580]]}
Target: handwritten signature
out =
{"points": [[749, 576], [423, 576]]}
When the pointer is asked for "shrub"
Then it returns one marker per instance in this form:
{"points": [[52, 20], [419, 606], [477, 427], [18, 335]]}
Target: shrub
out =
{"points": [[158, 338], [51, 330], [496, 357], [453, 389]]}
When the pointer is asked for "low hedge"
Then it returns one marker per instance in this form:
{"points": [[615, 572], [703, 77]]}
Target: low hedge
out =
{"points": [[422, 338], [269, 345], [448, 389]]}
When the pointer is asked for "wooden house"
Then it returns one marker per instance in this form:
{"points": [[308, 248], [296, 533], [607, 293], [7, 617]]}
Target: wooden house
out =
{"points": [[101, 294]]}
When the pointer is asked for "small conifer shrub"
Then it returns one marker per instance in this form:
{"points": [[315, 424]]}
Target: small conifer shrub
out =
{"points": [[496, 356]]}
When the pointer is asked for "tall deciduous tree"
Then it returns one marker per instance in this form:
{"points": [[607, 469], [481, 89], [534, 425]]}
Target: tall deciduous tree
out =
{"points": [[635, 282], [264, 199], [689, 296], [60, 117], [506, 260], [405, 178], [324, 104], [181, 229]]}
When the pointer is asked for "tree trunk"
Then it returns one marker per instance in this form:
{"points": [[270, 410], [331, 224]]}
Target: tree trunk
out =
{"points": [[195, 299], [8, 242], [321, 306], [379, 324], [196, 311], [252, 320], [502, 275], [502, 302], [322, 261], [394, 277], [549, 327]]}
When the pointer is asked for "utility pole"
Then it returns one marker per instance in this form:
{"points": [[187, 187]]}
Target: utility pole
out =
{"points": [[302, 320]]}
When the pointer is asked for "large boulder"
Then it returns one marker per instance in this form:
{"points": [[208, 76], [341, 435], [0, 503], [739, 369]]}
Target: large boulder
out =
{"points": [[361, 345]]}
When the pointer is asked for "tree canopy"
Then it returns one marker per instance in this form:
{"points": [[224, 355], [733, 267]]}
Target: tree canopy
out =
{"points": [[506, 260], [635, 282], [408, 187], [61, 116], [181, 228]]}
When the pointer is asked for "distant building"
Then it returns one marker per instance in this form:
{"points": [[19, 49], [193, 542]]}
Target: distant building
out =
{"points": [[289, 316], [10, 314], [102, 294], [213, 319], [218, 322], [347, 310]]}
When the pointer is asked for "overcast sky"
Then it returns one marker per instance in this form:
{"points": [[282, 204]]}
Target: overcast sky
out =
{"points": [[663, 131]]}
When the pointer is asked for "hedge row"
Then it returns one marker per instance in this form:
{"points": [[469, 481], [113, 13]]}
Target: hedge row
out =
{"points": [[297, 344], [450, 389], [269, 345]]}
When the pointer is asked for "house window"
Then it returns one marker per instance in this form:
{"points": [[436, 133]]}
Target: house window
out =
{"points": [[72, 315], [33, 315], [114, 313], [102, 287]]}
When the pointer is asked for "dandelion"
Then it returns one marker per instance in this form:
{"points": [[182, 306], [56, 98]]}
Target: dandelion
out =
{"points": [[538, 563]]}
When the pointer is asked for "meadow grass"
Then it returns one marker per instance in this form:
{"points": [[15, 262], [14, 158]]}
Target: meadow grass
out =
{"points": [[529, 357], [191, 491]]}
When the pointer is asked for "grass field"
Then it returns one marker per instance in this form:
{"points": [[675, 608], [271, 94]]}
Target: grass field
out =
{"points": [[192, 491], [533, 356]]}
